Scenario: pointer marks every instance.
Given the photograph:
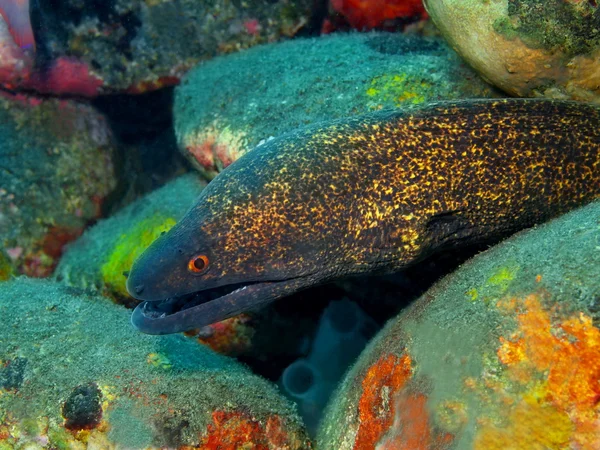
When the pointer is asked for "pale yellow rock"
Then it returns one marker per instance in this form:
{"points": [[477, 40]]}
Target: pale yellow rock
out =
{"points": [[506, 53]]}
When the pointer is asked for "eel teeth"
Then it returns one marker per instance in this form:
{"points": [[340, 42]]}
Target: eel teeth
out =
{"points": [[239, 289]]}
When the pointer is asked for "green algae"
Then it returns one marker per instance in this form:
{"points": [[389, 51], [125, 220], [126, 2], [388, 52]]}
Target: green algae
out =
{"points": [[160, 361], [129, 246], [399, 89]]}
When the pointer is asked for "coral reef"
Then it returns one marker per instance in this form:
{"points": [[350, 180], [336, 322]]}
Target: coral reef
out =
{"points": [[66, 384], [101, 258], [527, 47], [51, 191], [499, 354], [91, 48], [229, 105]]}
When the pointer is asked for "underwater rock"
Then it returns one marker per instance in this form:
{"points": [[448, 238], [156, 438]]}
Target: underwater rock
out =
{"points": [[83, 408], [91, 48], [101, 257], [89, 380], [56, 171], [230, 104], [500, 354], [528, 48]]}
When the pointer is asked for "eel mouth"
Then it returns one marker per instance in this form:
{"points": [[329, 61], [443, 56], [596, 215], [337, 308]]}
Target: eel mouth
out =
{"points": [[198, 309]]}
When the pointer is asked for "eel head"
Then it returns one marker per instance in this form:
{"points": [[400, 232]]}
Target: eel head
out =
{"points": [[253, 236]]}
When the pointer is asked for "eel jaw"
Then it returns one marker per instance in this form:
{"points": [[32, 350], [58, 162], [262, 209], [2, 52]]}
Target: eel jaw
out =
{"points": [[202, 308]]}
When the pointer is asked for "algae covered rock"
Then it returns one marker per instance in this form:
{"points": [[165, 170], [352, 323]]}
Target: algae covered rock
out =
{"points": [[501, 354], [56, 171], [101, 257], [92, 48], [75, 374], [528, 48], [228, 105]]}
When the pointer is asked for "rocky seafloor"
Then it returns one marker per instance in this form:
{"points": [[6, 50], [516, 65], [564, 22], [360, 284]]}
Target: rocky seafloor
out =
{"points": [[120, 119]]}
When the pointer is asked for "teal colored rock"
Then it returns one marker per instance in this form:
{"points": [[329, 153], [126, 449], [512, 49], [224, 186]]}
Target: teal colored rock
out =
{"points": [[101, 257], [228, 105], [56, 172], [501, 354], [75, 374]]}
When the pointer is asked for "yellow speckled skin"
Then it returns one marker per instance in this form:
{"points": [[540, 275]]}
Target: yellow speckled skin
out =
{"points": [[375, 193]]}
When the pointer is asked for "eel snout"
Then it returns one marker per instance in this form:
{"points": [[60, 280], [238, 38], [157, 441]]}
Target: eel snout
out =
{"points": [[203, 308]]}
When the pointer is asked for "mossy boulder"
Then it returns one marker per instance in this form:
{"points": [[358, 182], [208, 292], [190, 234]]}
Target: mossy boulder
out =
{"points": [[228, 105], [503, 353], [56, 172], [75, 374]]}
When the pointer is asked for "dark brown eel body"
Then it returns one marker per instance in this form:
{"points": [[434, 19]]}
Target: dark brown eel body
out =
{"points": [[368, 194]]}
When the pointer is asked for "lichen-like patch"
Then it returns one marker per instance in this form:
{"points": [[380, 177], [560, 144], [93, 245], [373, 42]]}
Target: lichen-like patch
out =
{"points": [[376, 407], [6, 268], [399, 89], [545, 383], [235, 430], [412, 428], [572, 26], [215, 147], [130, 245]]}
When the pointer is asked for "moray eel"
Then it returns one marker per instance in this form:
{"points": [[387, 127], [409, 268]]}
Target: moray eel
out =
{"points": [[368, 194]]}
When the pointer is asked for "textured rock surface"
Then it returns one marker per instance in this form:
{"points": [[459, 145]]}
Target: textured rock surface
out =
{"points": [[529, 48], [99, 258], [89, 48], [75, 374], [56, 170], [228, 105], [500, 354]]}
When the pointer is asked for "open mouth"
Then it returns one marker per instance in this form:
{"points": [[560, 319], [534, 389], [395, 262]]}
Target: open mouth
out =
{"points": [[203, 308], [163, 308]]}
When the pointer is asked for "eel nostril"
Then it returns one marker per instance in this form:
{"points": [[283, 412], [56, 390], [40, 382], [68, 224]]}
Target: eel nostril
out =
{"points": [[138, 289]]}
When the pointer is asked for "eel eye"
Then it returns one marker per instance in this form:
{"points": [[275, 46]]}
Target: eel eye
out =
{"points": [[198, 264]]}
